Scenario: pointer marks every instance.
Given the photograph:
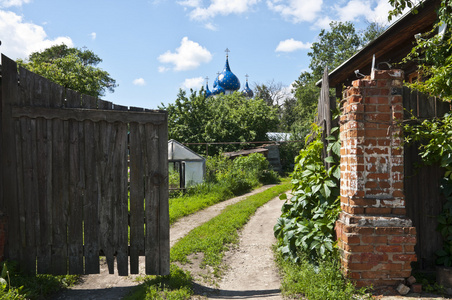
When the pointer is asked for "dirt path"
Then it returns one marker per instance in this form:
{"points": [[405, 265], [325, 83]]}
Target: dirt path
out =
{"points": [[111, 286], [252, 272]]}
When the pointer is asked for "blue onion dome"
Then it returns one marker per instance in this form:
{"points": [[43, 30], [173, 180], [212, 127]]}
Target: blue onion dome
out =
{"points": [[218, 90], [207, 93], [247, 91], [227, 79], [215, 83]]}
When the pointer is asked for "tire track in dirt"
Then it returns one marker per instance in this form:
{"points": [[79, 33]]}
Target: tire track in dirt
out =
{"points": [[111, 286], [251, 270]]}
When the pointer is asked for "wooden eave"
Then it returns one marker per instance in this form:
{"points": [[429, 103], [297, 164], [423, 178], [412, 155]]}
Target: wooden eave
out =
{"points": [[391, 46]]}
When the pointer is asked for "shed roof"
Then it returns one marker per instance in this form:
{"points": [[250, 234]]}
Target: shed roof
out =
{"points": [[391, 46], [178, 152]]}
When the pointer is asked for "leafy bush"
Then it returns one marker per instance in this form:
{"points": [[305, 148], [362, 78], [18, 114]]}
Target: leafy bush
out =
{"points": [[305, 227], [241, 174], [322, 282]]}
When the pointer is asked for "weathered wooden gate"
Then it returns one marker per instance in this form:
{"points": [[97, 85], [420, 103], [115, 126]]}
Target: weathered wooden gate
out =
{"points": [[422, 195], [65, 182]]}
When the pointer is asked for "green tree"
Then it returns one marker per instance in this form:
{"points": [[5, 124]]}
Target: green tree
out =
{"points": [[224, 118], [72, 68], [334, 47], [433, 51]]}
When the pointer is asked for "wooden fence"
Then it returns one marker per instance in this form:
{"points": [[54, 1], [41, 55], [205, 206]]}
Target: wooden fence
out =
{"points": [[64, 179], [421, 184]]}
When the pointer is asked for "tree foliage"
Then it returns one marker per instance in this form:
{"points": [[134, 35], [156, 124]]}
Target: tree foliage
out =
{"points": [[72, 68], [433, 51], [333, 47], [224, 118]]}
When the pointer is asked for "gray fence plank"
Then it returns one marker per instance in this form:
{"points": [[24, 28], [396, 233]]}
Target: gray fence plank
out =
{"points": [[10, 94], [91, 204], [164, 227], [136, 196], [76, 189], [152, 200]]}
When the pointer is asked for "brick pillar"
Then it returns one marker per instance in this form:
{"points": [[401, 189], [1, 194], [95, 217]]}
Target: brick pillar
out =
{"points": [[375, 237]]}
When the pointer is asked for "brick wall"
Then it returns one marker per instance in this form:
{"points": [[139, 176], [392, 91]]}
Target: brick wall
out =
{"points": [[375, 237]]}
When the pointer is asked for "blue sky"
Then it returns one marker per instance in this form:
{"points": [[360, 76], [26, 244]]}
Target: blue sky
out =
{"points": [[153, 48]]}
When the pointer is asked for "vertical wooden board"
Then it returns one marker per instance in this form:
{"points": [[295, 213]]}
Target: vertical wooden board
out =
{"points": [[76, 190], [10, 97], [136, 196], [409, 103], [92, 194], [164, 227], [44, 150], [91, 204], [121, 200], [107, 136], [60, 197], [153, 179], [89, 101]]}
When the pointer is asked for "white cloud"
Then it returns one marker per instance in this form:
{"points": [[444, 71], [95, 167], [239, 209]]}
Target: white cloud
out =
{"points": [[139, 81], [163, 69], [371, 10], [9, 3], [190, 3], [93, 35], [211, 26], [217, 7], [296, 10], [291, 45], [188, 56], [193, 83], [20, 39]]}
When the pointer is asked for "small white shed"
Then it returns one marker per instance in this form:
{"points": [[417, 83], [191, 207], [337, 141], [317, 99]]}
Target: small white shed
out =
{"points": [[191, 166]]}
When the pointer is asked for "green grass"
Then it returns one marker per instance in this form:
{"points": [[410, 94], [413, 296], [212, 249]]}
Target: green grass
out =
{"points": [[185, 205], [323, 281], [211, 238], [177, 285], [18, 286]]}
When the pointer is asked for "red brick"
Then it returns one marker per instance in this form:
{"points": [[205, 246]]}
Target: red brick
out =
{"points": [[358, 248], [362, 202], [378, 210], [367, 257], [351, 239], [359, 230], [399, 211], [410, 230], [370, 108], [389, 230], [409, 248], [384, 108], [405, 257], [374, 275], [401, 274], [389, 248], [374, 239], [407, 239], [390, 266], [359, 266]]}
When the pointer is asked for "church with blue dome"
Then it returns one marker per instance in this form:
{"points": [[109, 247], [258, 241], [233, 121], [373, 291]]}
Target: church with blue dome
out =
{"points": [[227, 83]]}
